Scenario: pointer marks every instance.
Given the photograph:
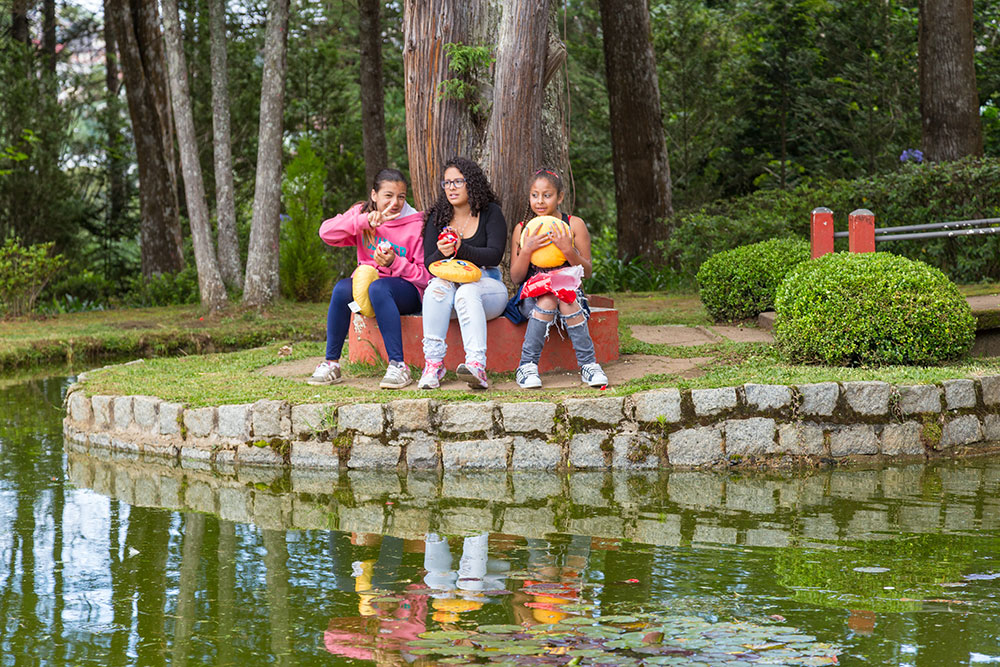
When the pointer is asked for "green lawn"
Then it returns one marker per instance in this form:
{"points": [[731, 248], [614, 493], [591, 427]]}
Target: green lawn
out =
{"points": [[200, 360]]}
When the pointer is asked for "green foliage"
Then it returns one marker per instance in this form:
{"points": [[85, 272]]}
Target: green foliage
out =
{"points": [[305, 274], [24, 272], [470, 63], [740, 283], [168, 289], [871, 309], [915, 194], [700, 65], [611, 274]]}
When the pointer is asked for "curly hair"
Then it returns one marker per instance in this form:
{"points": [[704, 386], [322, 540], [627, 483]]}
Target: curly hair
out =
{"points": [[480, 193]]}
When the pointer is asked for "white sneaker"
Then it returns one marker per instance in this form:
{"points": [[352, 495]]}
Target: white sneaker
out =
{"points": [[431, 377], [527, 376], [328, 372], [397, 376], [593, 375]]}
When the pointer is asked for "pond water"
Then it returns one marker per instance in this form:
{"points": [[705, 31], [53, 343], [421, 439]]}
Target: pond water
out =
{"points": [[116, 561]]}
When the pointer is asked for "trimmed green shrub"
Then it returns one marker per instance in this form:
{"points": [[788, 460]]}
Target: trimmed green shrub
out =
{"points": [[24, 272], [916, 194], [740, 283], [871, 309]]}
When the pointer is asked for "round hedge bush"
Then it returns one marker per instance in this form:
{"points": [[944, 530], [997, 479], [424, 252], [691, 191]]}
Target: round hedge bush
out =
{"points": [[741, 283], [871, 309]]}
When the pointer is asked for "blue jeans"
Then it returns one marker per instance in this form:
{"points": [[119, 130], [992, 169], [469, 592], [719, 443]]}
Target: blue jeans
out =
{"points": [[473, 304], [391, 297]]}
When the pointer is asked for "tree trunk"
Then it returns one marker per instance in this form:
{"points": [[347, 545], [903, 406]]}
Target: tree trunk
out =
{"points": [[225, 206], [949, 103], [638, 147], [213, 292], [19, 21], [137, 28], [49, 35], [261, 285], [501, 125], [116, 144], [372, 96]]}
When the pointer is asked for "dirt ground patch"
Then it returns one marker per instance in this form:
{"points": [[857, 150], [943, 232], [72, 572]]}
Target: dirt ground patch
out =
{"points": [[684, 336], [628, 367]]}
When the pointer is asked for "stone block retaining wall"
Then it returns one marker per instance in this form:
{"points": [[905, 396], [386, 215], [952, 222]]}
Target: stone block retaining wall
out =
{"points": [[749, 425]]}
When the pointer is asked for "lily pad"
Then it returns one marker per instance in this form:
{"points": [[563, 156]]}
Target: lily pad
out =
{"points": [[579, 620], [444, 634], [500, 629]]}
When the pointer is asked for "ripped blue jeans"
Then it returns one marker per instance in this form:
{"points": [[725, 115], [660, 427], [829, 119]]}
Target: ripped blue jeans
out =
{"points": [[472, 303], [539, 322]]}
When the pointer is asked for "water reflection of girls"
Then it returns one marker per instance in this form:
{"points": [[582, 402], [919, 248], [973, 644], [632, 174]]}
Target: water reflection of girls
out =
{"points": [[385, 624], [461, 590], [553, 584]]}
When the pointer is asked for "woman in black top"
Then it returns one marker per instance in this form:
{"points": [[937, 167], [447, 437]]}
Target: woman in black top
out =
{"points": [[468, 205]]}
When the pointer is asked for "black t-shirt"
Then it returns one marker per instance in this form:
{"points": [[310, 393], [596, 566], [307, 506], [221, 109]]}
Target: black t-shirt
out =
{"points": [[484, 248]]}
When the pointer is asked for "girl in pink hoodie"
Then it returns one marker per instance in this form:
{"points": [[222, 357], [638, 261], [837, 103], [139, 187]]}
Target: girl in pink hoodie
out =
{"points": [[387, 233]]}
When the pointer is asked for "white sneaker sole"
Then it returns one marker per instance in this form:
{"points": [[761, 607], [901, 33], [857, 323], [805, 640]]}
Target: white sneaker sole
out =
{"points": [[323, 383], [395, 385], [466, 375]]}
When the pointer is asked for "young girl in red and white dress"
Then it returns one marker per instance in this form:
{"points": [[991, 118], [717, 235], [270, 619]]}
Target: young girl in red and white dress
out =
{"points": [[545, 195]]}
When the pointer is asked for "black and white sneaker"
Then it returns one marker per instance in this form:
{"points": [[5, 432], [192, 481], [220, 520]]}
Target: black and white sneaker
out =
{"points": [[593, 375], [527, 376]]}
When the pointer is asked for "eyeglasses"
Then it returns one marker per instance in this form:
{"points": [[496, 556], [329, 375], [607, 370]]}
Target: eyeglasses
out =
{"points": [[451, 185]]}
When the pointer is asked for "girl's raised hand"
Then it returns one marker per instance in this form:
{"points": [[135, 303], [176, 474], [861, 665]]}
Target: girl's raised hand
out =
{"points": [[377, 217]]}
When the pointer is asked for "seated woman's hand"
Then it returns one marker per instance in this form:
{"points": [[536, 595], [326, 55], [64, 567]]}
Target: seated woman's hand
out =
{"points": [[384, 257], [449, 248]]}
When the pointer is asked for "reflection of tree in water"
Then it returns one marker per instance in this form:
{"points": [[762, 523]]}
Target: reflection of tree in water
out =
{"points": [[31, 458], [917, 563]]}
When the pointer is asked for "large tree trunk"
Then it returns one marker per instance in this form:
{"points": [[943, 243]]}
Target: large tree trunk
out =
{"points": [[115, 150], [638, 147], [261, 285], [501, 127], [225, 204], [19, 21], [372, 95], [49, 35], [949, 103], [213, 292], [137, 27]]}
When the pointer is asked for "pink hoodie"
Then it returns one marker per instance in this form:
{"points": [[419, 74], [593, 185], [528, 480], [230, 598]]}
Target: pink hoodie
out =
{"points": [[405, 233]]}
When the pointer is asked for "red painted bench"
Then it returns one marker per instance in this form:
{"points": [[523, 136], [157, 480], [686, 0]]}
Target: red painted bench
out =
{"points": [[364, 341]]}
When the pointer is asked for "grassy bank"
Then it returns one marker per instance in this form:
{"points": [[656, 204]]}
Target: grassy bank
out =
{"points": [[209, 379], [194, 359], [79, 340]]}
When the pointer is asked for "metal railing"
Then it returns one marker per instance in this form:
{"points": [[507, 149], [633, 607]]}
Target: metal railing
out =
{"points": [[862, 235]]}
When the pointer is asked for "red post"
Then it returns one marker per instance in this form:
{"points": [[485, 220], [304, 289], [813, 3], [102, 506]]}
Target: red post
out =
{"points": [[821, 231], [861, 231]]}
